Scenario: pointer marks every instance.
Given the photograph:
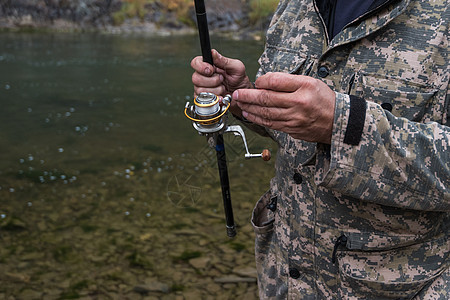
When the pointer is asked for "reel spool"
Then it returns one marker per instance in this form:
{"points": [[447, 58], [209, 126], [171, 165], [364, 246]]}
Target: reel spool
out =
{"points": [[209, 117], [208, 114]]}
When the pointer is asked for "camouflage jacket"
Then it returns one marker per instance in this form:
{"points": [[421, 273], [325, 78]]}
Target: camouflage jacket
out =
{"points": [[367, 217]]}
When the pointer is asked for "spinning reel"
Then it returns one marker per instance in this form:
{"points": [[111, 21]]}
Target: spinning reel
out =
{"points": [[209, 118]]}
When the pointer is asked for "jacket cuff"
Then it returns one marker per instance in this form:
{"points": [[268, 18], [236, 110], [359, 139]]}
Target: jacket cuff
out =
{"points": [[348, 128]]}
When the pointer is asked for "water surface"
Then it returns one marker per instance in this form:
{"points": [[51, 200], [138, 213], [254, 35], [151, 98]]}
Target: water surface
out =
{"points": [[105, 188]]}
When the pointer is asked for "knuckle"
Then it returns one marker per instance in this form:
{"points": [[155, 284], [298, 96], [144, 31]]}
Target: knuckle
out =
{"points": [[273, 80], [198, 79], [294, 124], [194, 77], [225, 60], [264, 98], [195, 62], [217, 81], [267, 123], [265, 113], [313, 84]]}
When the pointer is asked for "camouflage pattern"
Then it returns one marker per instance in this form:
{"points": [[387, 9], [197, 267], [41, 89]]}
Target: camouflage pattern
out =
{"points": [[389, 195]]}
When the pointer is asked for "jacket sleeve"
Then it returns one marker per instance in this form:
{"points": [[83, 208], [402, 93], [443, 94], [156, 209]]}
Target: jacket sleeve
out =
{"points": [[386, 159]]}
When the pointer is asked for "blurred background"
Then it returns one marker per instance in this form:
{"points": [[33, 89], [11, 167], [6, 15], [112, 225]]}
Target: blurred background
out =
{"points": [[106, 190]]}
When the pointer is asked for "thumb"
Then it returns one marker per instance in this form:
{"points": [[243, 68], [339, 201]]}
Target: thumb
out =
{"points": [[228, 64]]}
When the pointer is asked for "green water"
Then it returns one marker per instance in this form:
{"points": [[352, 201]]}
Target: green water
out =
{"points": [[104, 185]]}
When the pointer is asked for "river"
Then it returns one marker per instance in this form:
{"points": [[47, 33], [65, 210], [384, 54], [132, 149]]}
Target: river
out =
{"points": [[106, 190]]}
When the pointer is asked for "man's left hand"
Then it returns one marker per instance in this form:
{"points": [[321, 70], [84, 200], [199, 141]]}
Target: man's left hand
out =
{"points": [[298, 105]]}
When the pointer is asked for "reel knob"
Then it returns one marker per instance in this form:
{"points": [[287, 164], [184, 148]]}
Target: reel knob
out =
{"points": [[266, 155]]}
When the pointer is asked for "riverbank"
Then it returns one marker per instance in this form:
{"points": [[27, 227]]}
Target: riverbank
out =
{"points": [[242, 18]]}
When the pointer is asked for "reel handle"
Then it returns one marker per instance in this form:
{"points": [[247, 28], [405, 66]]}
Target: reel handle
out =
{"points": [[237, 130]]}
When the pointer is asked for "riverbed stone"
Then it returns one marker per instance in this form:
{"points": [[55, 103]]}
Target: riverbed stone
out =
{"points": [[200, 263], [30, 294], [234, 279], [151, 286], [213, 288], [192, 294], [245, 272]]}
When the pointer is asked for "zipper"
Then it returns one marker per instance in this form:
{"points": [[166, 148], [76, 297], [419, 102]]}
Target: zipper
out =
{"points": [[341, 241], [323, 23]]}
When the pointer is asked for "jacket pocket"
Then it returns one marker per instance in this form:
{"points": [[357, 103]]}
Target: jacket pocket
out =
{"points": [[277, 59], [402, 98], [263, 224], [398, 273]]}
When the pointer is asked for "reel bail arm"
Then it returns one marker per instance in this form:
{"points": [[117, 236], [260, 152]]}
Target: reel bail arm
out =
{"points": [[209, 117]]}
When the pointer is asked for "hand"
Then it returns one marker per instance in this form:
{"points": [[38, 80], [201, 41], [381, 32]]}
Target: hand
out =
{"points": [[226, 76], [298, 105]]}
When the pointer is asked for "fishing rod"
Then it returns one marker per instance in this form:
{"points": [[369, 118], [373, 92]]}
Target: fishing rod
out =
{"points": [[209, 117]]}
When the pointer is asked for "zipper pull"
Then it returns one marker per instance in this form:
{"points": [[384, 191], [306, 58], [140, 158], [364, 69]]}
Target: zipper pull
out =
{"points": [[350, 84], [342, 240]]}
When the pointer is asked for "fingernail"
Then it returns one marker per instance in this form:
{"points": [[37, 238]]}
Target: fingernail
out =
{"points": [[207, 71], [235, 94], [221, 78], [245, 114]]}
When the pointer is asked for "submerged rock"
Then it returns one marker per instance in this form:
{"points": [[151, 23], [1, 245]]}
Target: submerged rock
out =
{"points": [[152, 286], [234, 279], [200, 262], [246, 272]]}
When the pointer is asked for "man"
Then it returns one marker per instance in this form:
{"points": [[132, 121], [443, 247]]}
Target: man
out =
{"points": [[356, 94]]}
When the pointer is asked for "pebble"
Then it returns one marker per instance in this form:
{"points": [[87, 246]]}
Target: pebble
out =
{"points": [[18, 277]]}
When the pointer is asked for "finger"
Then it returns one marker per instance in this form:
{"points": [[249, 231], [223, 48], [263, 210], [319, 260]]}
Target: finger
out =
{"points": [[264, 98], [269, 113], [203, 81], [202, 67], [220, 90], [277, 125], [281, 82], [231, 66]]}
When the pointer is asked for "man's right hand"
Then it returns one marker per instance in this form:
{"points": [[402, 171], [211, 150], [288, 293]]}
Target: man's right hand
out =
{"points": [[226, 76]]}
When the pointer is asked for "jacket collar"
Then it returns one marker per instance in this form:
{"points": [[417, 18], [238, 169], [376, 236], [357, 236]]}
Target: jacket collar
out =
{"points": [[380, 13]]}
